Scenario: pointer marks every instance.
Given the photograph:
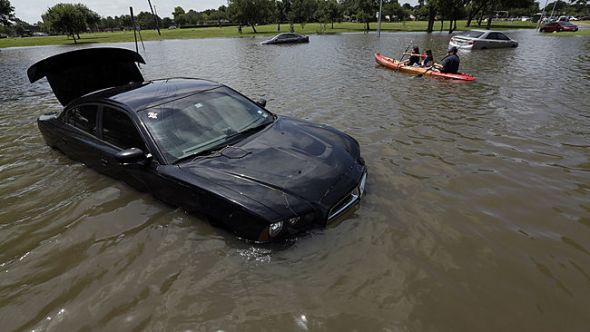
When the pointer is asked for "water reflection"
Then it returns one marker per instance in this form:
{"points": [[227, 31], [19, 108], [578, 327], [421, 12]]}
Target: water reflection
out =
{"points": [[477, 205]]}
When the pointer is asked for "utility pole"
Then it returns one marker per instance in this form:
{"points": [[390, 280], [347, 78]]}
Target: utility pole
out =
{"points": [[379, 18], [542, 15], [155, 17], [134, 29]]}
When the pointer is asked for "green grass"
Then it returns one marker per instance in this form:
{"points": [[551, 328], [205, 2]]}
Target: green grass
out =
{"points": [[231, 31]]}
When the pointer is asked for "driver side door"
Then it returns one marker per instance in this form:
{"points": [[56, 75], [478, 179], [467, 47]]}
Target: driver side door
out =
{"points": [[118, 132]]}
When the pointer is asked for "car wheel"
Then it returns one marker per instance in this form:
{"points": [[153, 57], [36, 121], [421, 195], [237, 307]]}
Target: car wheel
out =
{"points": [[541, 30]]}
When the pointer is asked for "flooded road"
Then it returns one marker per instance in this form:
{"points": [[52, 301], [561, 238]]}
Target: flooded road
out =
{"points": [[477, 216]]}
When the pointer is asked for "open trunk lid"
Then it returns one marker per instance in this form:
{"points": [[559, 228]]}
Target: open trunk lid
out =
{"points": [[76, 73]]}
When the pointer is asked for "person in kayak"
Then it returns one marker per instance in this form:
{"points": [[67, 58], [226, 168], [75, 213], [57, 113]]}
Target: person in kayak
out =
{"points": [[429, 59], [450, 63], [414, 59]]}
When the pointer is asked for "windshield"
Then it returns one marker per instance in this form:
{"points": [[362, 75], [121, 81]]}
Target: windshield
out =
{"points": [[201, 122], [472, 34]]}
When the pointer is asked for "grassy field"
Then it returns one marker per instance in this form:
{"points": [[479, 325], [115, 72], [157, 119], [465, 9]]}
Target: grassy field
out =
{"points": [[231, 31]]}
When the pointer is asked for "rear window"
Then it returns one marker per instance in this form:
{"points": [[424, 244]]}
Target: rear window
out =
{"points": [[472, 34]]}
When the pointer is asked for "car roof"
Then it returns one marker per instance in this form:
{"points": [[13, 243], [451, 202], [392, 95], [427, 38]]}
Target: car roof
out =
{"points": [[139, 96], [484, 31]]}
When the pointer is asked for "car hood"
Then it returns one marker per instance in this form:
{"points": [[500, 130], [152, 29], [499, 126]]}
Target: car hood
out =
{"points": [[304, 161], [76, 73]]}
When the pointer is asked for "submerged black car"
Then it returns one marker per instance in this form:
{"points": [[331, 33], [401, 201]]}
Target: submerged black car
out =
{"points": [[199, 145], [287, 38]]}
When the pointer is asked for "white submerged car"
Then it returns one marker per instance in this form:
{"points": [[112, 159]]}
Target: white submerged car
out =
{"points": [[481, 39]]}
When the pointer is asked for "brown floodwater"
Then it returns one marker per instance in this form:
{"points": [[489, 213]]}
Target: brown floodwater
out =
{"points": [[477, 216]]}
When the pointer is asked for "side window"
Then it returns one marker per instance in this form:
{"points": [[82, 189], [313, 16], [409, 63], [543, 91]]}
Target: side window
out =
{"points": [[118, 130], [492, 35], [501, 36], [83, 118]]}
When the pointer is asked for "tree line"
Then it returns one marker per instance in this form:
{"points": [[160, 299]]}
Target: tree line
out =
{"points": [[72, 19]]}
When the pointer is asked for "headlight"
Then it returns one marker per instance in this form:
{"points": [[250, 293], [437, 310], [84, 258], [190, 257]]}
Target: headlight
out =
{"points": [[290, 225], [275, 228]]}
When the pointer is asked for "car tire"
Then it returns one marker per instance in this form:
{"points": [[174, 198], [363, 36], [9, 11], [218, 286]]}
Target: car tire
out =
{"points": [[541, 30]]}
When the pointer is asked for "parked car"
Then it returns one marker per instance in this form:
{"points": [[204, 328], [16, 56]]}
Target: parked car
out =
{"points": [[200, 145], [481, 39], [287, 38], [558, 27]]}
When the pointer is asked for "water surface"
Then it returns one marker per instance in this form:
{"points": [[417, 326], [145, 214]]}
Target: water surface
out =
{"points": [[477, 215]]}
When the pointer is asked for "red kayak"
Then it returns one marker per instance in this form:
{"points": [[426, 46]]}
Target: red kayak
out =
{"points": [[396, 65]]}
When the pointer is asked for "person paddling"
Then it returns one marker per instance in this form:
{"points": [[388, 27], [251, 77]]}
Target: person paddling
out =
{"points": [[414, 59], [429, 59], [450, 63]]}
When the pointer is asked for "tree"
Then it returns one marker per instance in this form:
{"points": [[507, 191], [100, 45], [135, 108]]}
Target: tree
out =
{"points": [[179, 16], [218, 15], [66, 18], [167, 22], [327, 11], [6, 12], [90, 16], [146, 20], [394, 10], [432, 6], [249, 12], [364, 10], [279, 11], [193, 17], [303, 11]]}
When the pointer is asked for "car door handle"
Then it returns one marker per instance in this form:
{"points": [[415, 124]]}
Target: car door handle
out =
{"points": [[104, 162]]}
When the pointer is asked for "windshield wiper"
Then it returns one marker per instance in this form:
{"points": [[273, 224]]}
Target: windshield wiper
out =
{"points": [[223, 144], [247, 131], [200, 153]]}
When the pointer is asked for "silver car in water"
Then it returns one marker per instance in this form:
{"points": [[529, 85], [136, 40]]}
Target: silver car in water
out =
{"points": [[481, 40]]}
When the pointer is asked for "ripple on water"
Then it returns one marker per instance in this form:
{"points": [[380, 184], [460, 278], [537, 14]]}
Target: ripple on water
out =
{"points": [[477, 196]]}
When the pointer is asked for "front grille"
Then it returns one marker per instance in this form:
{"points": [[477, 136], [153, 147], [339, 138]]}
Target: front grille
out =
{"points": [[344, 204]]}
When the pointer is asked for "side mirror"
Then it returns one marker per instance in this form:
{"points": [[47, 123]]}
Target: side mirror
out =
{"points": [[260, 102], [132, 156]]}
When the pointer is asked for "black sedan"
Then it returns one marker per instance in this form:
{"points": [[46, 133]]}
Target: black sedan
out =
{"points": [[287, 38], [200, 145]]}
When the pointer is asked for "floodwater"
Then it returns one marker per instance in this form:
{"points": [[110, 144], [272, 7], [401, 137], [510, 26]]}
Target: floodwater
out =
{"points": [[477, 216]]}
